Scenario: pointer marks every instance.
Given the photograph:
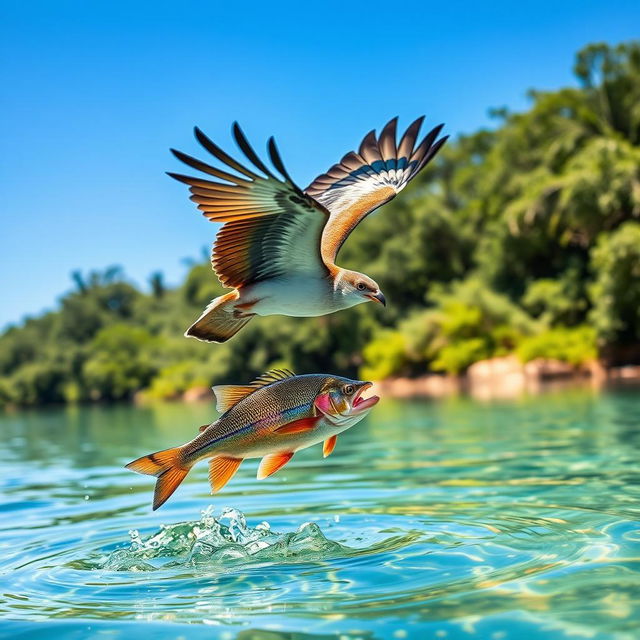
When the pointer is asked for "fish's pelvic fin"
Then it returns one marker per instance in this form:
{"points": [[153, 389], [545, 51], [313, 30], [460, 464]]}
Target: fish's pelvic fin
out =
{"points": [[271, 463], [228, 395], [298, 426], [221, 470], [203, 427], [219, 321], [329, 445], [168, 467]]}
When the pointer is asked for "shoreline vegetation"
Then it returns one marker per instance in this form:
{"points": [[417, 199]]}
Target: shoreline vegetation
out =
{"points": [[507, 378], [511, 261], [498, 378]]}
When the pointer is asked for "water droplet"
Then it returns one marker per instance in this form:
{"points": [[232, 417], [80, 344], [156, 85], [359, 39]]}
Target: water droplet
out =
{"points": [[211, 541]]}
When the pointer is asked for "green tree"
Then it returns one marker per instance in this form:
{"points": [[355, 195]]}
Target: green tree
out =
{"points": [[615, 293], [121, 362], [520, 239]]}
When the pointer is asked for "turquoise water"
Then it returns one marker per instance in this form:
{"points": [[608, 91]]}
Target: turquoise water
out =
{"points": [[449, 519]]}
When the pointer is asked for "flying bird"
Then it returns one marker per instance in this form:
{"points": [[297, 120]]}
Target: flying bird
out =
{"points": [[278, 245]]}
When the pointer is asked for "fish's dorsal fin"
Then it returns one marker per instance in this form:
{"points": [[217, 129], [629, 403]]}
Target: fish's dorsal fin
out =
{"points": [[271, 376], [228, 395]]}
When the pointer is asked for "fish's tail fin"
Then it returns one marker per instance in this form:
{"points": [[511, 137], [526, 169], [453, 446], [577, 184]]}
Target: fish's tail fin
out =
{"points": [[168, 466], [219, 320]]}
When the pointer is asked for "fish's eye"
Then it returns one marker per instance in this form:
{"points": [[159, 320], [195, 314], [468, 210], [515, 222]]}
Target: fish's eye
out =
{"points": [[361, 286], [348, 389]]}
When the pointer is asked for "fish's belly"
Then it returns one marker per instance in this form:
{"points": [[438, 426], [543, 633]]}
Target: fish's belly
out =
{"points": [[281, 443], [300, 296]]}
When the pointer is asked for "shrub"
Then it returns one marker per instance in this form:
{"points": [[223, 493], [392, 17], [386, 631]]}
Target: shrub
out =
{"points": [[575, 345], [384, 356], [455, 357], [175, 379], [121, 362]]}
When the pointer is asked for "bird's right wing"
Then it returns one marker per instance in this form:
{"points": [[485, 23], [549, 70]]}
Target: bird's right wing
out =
{"points": [[272, 228], [365, 180]]}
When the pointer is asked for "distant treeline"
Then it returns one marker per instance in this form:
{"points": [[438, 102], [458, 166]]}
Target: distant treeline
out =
{"points": [[524, 239]]}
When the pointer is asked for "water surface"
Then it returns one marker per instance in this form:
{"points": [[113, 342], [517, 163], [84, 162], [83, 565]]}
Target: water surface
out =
{"points": [[449, 519]]}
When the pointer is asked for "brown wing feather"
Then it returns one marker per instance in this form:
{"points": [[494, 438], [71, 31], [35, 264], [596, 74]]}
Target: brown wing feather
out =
{"points": [[365, 180], [271, 226]]}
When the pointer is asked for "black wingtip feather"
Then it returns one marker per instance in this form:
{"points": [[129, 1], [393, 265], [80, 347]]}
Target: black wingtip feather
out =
{"points": [[248, 151], [432, 135], [221, 155], [274, 154], [406, 146], [204, 140], [369, 149], [178, 176], [431, 153], [194, 163], [388, 140]]}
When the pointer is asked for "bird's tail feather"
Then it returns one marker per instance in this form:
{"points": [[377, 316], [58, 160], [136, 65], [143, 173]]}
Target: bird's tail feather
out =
{"points": [[218, 322]]}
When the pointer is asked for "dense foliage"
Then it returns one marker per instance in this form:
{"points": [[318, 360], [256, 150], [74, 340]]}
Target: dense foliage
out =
{"points": [[522, 239]]}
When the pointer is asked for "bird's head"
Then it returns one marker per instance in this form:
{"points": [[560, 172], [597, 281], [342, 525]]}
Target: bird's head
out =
{"points": [[359, 288]]}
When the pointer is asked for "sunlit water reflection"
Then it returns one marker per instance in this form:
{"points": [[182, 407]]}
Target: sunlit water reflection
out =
{"points": [[450, 519]]}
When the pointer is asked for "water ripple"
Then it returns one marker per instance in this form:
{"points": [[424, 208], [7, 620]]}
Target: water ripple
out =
{"points": [[448, 525]]}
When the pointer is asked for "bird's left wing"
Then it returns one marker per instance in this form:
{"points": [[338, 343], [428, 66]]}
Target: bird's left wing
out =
{"points": [[365, 180], [272, 228]]}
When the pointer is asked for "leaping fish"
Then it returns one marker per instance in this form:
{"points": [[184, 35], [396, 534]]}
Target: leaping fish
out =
{"points": [[271, 418]]}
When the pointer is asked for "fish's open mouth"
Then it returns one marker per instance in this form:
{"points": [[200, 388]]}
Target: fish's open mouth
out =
{"points": [[362, 404]]}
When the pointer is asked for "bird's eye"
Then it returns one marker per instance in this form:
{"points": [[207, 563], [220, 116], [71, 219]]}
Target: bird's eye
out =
{"points": [[348, 389], [361, 286]]}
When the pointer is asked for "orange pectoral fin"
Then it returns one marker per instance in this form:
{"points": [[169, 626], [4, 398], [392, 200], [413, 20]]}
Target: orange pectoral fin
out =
{"points": [[203, 427], [271, 463], [298, 426], [329, 445], [221, 470]]}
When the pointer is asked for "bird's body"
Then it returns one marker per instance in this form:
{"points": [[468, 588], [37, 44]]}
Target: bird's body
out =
{"points": [[293, 295], [290, 295], [277, 248]]}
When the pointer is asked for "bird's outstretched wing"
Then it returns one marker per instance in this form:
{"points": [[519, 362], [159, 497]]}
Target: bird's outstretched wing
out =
{"points": [[364, 180], [271, 227]]}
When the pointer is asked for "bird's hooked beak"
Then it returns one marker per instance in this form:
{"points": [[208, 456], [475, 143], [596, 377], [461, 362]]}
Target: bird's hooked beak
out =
{"points": [[378, 297]]}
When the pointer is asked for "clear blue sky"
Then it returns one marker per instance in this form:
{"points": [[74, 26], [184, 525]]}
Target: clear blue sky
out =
{"points": [[94, 93]]}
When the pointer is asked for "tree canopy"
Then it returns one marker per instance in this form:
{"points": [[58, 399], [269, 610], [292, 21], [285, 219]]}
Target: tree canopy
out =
{"points": [[524, 238]]}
